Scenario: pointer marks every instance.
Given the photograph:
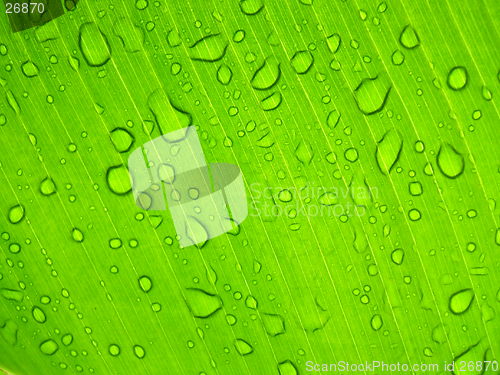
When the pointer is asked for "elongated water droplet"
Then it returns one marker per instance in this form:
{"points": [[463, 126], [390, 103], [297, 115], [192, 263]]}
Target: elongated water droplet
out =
{"points": [[271, 102], [251, 7], [38, 314], [267, 75], [210, 48], [333, 119], [333, 42], [94, 45], [451, 163], [224, 74], [145, 284], [388, 151]]}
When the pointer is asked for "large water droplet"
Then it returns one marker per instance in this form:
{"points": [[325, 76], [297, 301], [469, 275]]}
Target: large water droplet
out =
{"points": [[333, 119], [48, 187], [38, 314], [287, 368], [145, 284], [304, 152], [388, 151], [451, 163], [224, 74], [251, 7], [12, 294], [333, 42], [210, 48], [118, 180], [243, 347], [372, 93], [267, 75], [302, 62], [94, 45], [16, 214], [122, 139], [201, 303], [409, 38], [461, 301], [274, 324], [29, 69], [49, 347], [271, 102], [457, 78]]}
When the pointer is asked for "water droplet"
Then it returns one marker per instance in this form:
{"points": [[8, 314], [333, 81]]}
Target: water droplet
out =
{"points": [[29, 69], [461, 301], [94, 45], [415, 188], [67, 339], [388, 151], [114, 350], [333, 42], [372, 93], [267, 75], [397, 57], [122, 139], [328, 199], [304, 152], [243, 347], [38, 314], [16, 214], [414, 214], [210, 48], [351, 154], [145, 284], [118, 180], [409, 38], [398, 256], [12, 294], [333, 119], [451, 163], [167, 114], [376, 322], [201, 303], [274, 324], [139, 351], [251, 302], [49, 347], [48, 187], [224, 74], [251, 7], [287, 368], [457, 78], [302, 61], [271, 102], [77, 235]]}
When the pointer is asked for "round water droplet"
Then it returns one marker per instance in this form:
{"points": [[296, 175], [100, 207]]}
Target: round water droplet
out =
{"points": [[285, 195], [145, 284], [77, 235], [48, 187], [67, 339], [118, 180], [397, 57], [49, 347], [122, 139], [414, 214], [457, 78], [166, 173], [16, 214], [351, 154], [114, 350]]}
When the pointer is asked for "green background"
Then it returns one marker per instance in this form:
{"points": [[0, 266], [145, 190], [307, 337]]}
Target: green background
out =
{"points": [[325, 105]]}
